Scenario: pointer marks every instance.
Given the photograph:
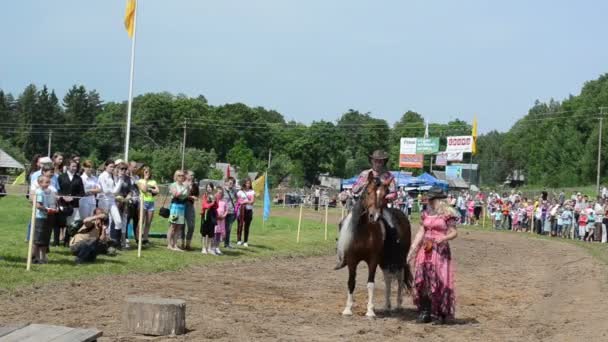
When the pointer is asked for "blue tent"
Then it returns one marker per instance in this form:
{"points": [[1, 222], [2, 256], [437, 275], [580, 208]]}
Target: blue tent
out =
{"points": [[348, 183], [427, 180], [402, 178]]}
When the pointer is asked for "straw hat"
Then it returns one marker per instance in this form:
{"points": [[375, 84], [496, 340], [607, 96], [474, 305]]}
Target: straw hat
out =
{"points": [[436, 193]]}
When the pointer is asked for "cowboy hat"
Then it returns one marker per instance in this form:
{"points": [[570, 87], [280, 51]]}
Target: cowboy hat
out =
{"points": [[436, 193], [379, 154]]}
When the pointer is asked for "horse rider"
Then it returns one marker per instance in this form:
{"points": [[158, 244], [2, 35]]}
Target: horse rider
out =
{"points": [[378, 159]]}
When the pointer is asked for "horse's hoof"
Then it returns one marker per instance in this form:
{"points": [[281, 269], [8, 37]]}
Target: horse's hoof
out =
{"points": [[347, 312], [370, 314]]}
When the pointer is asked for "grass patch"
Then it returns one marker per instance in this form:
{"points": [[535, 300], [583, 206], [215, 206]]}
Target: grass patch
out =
{"points": [[277, 238]]}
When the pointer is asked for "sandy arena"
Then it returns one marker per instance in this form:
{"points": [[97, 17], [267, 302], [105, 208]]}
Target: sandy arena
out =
{"points": [[510, 288]]}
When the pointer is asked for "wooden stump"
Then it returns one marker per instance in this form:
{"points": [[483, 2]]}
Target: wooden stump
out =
{"points": [[155, 316]]}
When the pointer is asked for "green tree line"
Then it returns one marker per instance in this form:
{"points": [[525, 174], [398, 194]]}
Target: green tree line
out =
{"points": [[555, 144]]}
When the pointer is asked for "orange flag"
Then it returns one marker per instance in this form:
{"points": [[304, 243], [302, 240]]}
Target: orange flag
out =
{"points": [[130, 17]]}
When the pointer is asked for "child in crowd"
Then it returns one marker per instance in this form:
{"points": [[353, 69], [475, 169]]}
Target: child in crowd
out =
{"points": [[471, 211], [566, 220], [590, 231], [515, 223], [46, 207], [220, 225], [498, 217], [505, 215], [522, 218], [582, 224]]}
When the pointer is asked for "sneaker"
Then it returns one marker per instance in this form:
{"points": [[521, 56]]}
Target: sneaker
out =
{"points": [[239, 243], [217, 251], [245, 244], [212, 252], [204, 251]]}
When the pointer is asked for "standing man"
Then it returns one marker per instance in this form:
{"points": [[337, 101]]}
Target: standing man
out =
{"points": [[231, 200], [190, 212], [317, 197]]}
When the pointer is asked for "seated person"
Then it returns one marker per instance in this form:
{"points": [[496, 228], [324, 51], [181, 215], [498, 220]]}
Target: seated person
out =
{"points": [[91, 239]]}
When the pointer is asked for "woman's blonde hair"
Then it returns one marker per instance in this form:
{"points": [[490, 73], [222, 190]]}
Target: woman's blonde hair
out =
{"points": [[178, 173], [442, 207]]}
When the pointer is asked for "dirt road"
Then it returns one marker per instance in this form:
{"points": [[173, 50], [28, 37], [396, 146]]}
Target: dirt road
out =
{"points": [[509, 288]]}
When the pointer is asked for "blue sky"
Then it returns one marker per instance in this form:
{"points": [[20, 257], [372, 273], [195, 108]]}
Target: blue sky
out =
{"points": [[313, 59]]}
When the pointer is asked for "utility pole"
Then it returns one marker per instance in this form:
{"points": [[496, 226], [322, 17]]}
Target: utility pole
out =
{"points": [[599, 150], [184, 142], [50, 140]]}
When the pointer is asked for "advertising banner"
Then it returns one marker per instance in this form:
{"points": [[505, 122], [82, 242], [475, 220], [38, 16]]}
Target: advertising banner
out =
{"points": [[460, 144], [444, 157], [441, 159], [453, 172], [408, 146], [427, 145], [414, 161]]}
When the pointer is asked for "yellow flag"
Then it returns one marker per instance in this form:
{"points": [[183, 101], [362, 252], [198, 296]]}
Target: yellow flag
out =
{"points": [[130, 17], [474, 134], [20, 180], [258, 185]]}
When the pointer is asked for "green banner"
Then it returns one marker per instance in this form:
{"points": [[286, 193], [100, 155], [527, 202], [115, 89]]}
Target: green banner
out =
{"points": [[427, 145]]}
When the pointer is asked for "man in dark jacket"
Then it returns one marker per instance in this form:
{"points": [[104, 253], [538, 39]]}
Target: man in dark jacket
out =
{"points": [[70, 190]]}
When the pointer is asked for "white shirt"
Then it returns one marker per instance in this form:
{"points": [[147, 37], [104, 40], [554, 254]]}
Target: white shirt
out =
{"points": [[89, 184], [108, 187], [246, 195]]}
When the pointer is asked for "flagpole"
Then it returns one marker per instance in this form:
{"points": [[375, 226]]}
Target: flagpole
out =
{"points": [[130, 103], [266, 182]]}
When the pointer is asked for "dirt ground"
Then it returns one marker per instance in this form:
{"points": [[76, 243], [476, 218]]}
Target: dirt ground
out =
{"points": [[509, 288]]}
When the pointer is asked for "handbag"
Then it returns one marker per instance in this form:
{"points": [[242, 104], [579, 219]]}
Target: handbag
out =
{"points": [[164, 211], [428, 246]]}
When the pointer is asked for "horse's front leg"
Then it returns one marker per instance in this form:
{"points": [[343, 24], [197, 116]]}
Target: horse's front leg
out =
{"points": [[352, 274], [372, 265]]}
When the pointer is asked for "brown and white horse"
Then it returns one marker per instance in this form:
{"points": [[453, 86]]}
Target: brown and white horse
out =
{"points": [[373, 241]]}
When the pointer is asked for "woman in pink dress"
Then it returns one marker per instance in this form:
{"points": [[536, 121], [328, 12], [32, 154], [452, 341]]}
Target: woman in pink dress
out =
{"points": [[434, 272]]}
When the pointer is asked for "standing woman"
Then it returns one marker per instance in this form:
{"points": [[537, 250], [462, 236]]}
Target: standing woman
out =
{"points": [[149, 189], [246, 199], [91, 189], [434, 276], [208, 219], [193, 190], [58, 163], [107, 199], [177, 218]]}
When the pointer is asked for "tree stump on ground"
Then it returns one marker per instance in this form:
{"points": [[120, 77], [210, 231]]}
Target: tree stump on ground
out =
{"points": [[155, 316]]}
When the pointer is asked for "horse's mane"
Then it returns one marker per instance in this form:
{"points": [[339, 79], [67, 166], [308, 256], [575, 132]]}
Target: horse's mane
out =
{"points": [[358, 210]]}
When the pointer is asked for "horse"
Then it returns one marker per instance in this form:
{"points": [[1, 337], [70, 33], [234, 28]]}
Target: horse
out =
{"points": [[373, 241]]}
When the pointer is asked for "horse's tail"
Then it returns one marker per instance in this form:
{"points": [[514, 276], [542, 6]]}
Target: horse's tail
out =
{"points": [[408, 277], [344, 241]]}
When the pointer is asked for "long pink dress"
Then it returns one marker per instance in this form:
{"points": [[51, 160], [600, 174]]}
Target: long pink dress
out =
{"points": [[434, 276]]}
